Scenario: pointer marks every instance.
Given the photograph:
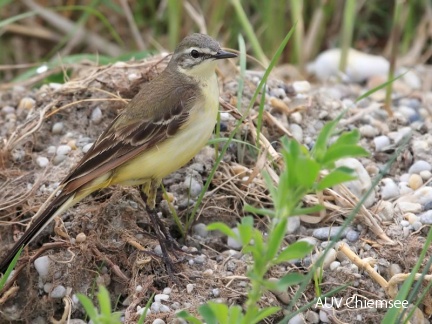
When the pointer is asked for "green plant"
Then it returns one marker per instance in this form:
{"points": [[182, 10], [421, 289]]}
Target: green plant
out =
{"points": [[105, 315], [9, 269], [294, 183]]}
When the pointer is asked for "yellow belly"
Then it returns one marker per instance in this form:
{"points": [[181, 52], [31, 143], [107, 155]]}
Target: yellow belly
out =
{"points": [[176, 151]]}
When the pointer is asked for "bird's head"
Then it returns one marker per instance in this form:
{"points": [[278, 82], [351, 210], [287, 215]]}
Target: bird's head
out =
{"points": [[196, 56]]}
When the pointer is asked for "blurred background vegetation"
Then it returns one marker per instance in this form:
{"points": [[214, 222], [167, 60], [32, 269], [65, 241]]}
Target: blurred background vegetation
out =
{"points": [[34, 31]]}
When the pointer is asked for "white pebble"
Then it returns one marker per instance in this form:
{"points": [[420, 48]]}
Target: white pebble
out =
{"points": [[164, 309], [334, 265], [96, 115], [420, 166], [426, 218], [385, 210], [155, 307], [296, 118], [42, 265], [63, 149], [233, 243], [57, 128], [58, 292], [139, 288], [133, 76], [408, 207], [297, 132], [368, 131], [208, 273], [201, 230], [167, 291], [301, 86], [190, 288], [42, 161], [426, 175], [216, 292], [87, 147], [381, 143], [324, 312], [404, 189], [158, 321], [160, 297], [404, 223], [389, 190], [157, 249], [297, 319]]}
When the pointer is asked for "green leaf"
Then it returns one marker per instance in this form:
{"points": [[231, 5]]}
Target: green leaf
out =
{"points": [[245, 229], [89, 308], [347, 138], [276, 237], [342, 151], [104, 301], [297, 250], [323, 138], [188, 317], [222, 227], [291, 279], [10, 268], [214, 313], [335, 177], [259, 211], [307, 171], [307, 210], [235, 314]]}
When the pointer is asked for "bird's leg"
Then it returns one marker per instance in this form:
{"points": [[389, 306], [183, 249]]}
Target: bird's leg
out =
{"points": [[148, 195]]}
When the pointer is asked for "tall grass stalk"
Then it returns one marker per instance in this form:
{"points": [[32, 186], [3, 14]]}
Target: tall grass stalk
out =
{"points": [[347, 32], [297, 17]]}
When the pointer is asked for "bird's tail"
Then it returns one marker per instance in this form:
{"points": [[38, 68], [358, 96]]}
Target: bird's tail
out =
{"points": [[55, 208]]}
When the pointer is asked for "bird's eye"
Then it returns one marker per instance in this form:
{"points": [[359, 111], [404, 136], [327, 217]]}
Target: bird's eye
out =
{"points": [[194, 53]]}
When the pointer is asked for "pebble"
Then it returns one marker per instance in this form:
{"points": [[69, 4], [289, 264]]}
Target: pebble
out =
{"points": [[160, 297], [411, 218], [201, 230], [385, 210], [139, 288], [80, 238], [167, 291], [58, 292], [404, 223], [381, 143], [426, 218], [155, 307], [309, 239], [297, 132], [327, 233], [190, 288], [296, 118], [87, 147], [293, 224], [158, 250], [415, 181], [368, 131], [408, 207], [158, 321], [193, 185], [425, 175], [200, 259], [312, 317], [42, 161], [323, 313], [8, 110], [390, 189], [423, 195], [363, 182], [334, 265], [416, 225], [42, 265], [216, 292], [297, 319], [208, 273], [301, 86], [26, 103], [329, 258], [233, 243], [283, 295], [404, 189], [48, 287], [352, 235], [394, 269], [57, 128], [58, 159], [420, 166], [63, 149], [96, 115]]}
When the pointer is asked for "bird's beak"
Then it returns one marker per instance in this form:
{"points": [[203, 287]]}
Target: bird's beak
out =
{"points": [[223, 55]]}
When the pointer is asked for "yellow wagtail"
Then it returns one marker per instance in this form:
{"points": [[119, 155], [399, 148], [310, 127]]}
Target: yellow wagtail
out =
{"points": [[160, 130]]}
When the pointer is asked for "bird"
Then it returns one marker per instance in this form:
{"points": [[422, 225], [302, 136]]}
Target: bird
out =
{"points": [[161, 129]]}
